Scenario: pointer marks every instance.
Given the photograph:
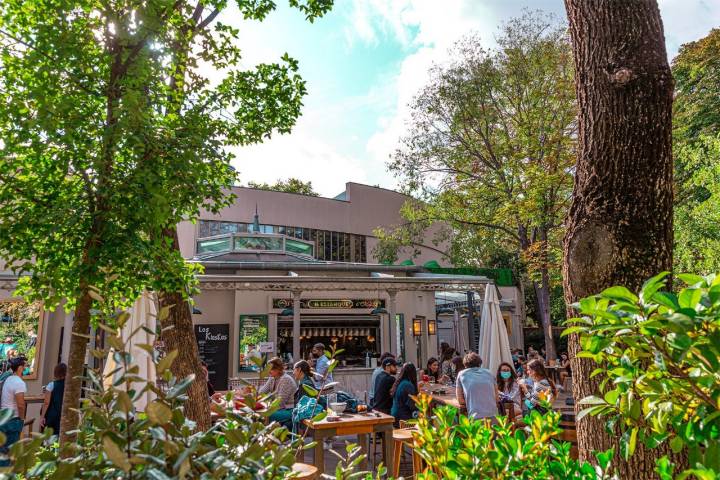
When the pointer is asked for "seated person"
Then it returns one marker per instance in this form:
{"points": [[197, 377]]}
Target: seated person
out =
{"points": [[476, 389], [383, 399], [565, 370], [283, 387], [509, 388], [432, 370], [543, 388], [303, 376], [378, 370], [405, 386]]}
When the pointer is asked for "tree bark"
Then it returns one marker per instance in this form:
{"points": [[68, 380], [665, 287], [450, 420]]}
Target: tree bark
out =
{"points": [[69, 417], [542, 293], [619, 228], [178, 334]]}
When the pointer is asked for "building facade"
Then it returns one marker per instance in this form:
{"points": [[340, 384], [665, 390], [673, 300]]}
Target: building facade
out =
{"points": [[283, 272]]}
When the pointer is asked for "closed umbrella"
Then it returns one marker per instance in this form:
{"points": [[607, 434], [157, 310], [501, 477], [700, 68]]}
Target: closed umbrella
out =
{"points": [[493, 345], [143, 312]]}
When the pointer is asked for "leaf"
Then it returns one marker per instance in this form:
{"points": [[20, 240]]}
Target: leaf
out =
{"points": [[619, 292], [166, 361], [690, 278], [115, 455], [651, 286], [310, 390], [158, 413]]}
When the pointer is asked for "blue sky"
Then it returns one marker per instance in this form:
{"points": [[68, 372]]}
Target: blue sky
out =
{"points": [[364, 62]]}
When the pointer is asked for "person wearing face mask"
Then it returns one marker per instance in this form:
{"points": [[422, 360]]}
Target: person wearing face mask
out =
{"points": [[509, 387]]}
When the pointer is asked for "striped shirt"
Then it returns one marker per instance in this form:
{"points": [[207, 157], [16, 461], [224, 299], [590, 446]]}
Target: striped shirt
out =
{"points": [[283, 388]]}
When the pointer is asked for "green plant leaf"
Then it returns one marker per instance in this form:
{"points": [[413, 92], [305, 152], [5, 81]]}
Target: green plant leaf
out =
{"points": [[166, 361], [115, 454], [158, 413]]}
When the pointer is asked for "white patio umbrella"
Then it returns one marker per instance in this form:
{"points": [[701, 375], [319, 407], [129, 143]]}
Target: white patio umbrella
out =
{"points": [[143, 312], [493, 345]]}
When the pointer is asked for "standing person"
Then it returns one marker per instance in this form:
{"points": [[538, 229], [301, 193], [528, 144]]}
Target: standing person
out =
{"points": [[12, 396], [403, 406], [383, 400], [476, 388], [52, 403], [509, 387], [543, 388], [283, 387], [322, 362], [376, 373], [303, 376]]}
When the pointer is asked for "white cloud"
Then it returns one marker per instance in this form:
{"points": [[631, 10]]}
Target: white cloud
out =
{"points": [[302, 155]]}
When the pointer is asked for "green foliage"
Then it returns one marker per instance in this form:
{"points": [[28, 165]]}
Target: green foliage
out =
{"points": [[291, 185], [112, 133], [26, 318], [490, 152], [458, 447], [658, 355], [117, 441], [696, 149], [491, 144], [697, 208]]}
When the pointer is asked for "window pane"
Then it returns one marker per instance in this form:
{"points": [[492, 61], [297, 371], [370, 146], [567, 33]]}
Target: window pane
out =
{"points": [[258, 243], [210, 246], [335, 246], [298, 247]]}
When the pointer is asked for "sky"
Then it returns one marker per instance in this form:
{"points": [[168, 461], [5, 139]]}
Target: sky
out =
{"points": [[363, 64]]}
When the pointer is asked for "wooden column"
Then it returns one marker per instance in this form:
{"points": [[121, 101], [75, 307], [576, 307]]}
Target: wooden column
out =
{"points": [[393, 340], [296, 326]]}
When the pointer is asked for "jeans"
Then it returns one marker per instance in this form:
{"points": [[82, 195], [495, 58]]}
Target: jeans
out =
{"points": [[283, 417], [11, 429]]}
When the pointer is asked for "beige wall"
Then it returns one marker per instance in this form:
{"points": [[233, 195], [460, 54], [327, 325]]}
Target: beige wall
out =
{"points": [[365, 209]]}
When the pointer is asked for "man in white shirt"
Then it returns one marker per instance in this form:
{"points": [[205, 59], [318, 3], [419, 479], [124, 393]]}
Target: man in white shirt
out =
{"points": [[12, 397], [322, 362]]}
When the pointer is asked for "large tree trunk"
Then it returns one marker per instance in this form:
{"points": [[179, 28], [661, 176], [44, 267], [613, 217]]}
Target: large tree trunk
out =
{"points": [[69, 417], [542, 293], [619, 230], [181, 337]]}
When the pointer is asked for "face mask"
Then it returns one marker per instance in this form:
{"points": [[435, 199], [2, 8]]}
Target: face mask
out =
{"points": [[505, 375]]}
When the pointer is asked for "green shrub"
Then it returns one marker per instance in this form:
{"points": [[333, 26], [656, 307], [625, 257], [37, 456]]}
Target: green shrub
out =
{"points": [[658, 356], [463, 448]]}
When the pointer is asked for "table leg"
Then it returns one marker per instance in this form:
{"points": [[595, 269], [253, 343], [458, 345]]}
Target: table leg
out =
{"points": [[363, 442], [388, 447], [319, 452]]}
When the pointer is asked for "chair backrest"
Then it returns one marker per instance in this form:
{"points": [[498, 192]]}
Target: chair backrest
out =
{"points": [[509, 410]]}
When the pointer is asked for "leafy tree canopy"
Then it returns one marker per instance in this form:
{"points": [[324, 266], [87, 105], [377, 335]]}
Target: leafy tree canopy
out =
{"points": [[291, 185], [696, 145], [112, 132]]}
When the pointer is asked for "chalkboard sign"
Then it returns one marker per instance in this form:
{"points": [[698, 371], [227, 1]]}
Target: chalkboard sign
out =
{"points": [[213, 345]]}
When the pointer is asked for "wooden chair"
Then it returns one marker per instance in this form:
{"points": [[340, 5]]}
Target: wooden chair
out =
{"points": [[305, 471], [29, 424], [403, 437], [569, 434]]}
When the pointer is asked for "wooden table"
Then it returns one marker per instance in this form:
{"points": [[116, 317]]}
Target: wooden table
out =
{"points": [[449, 398], [360, 424], [34, 398]]}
